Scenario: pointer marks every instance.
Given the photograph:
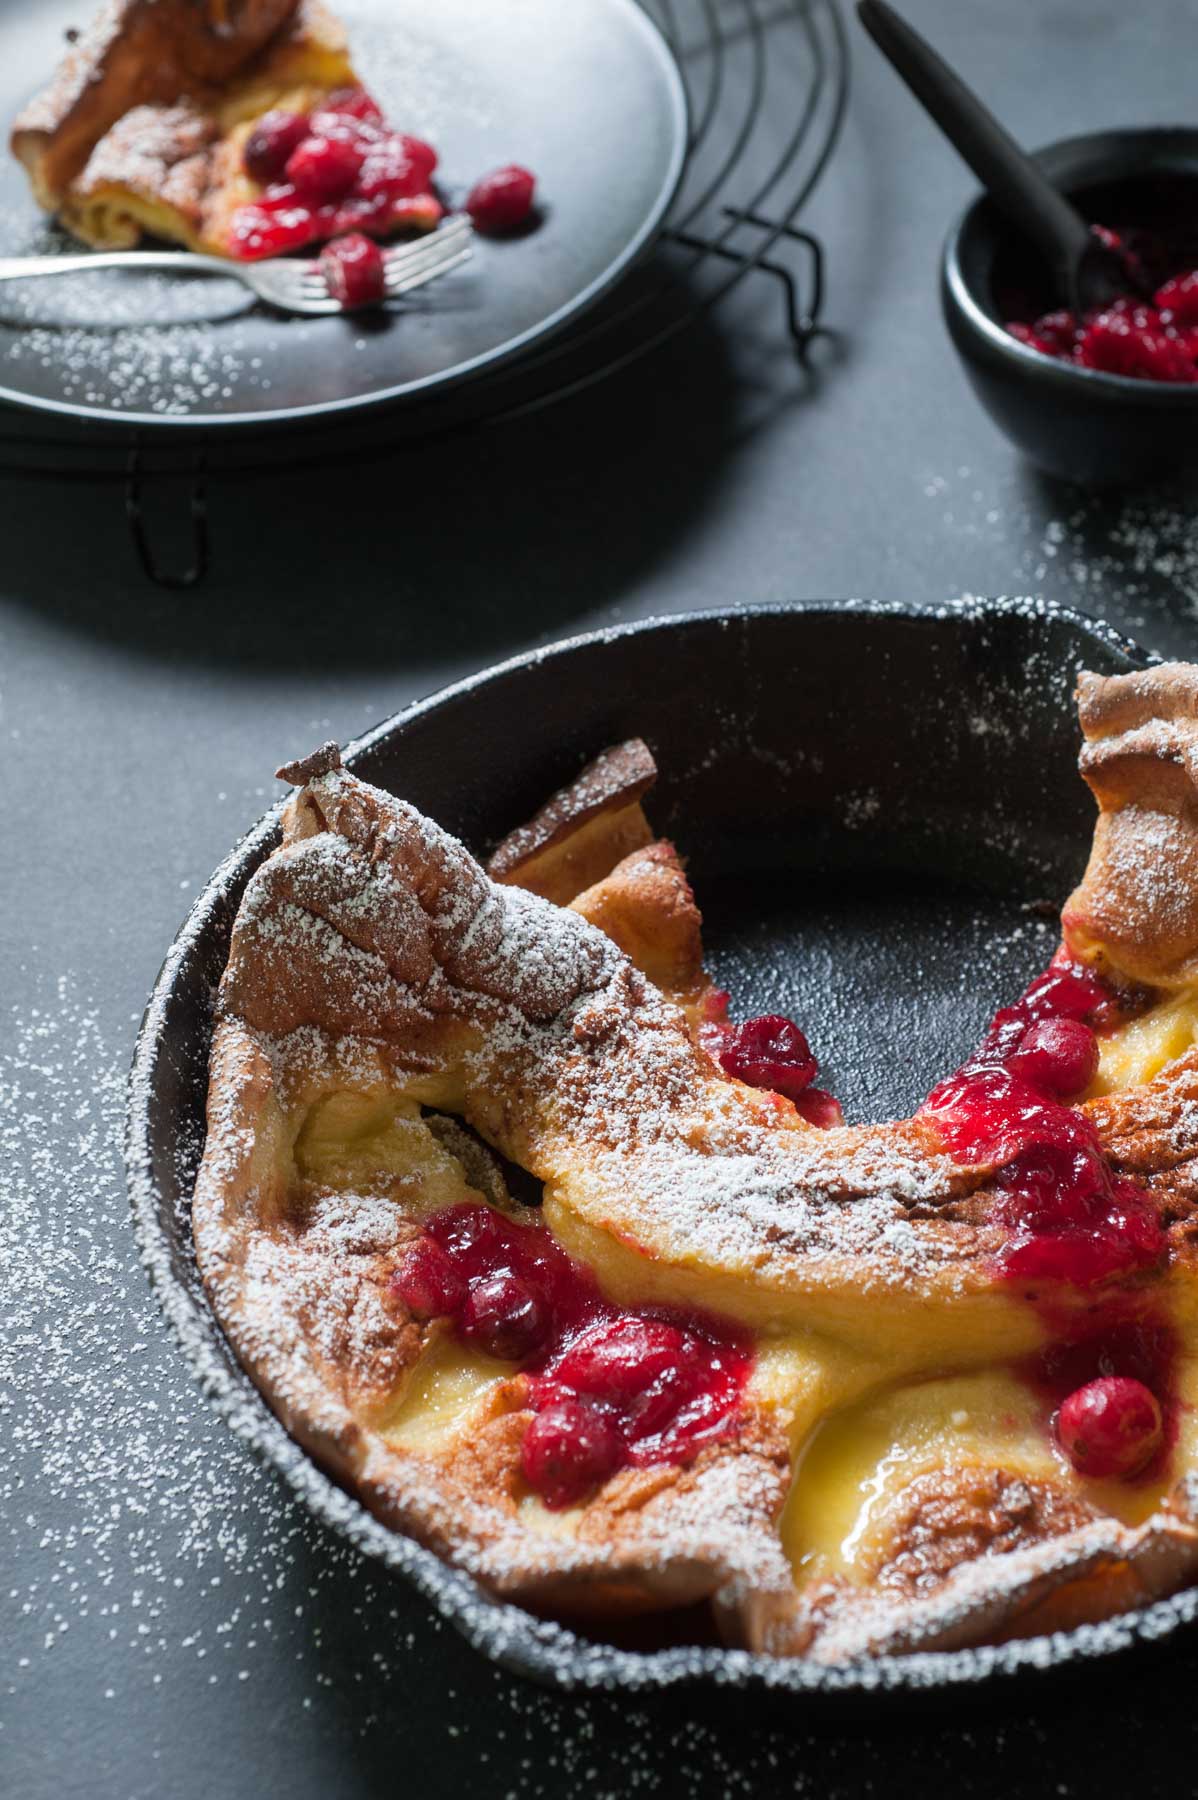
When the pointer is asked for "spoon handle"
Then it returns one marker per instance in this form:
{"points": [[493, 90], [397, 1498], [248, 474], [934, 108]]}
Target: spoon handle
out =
{"points": [[1008, 173]]}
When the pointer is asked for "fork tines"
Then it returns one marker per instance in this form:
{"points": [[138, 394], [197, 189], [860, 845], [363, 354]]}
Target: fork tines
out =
{"points": [[407, 265]]}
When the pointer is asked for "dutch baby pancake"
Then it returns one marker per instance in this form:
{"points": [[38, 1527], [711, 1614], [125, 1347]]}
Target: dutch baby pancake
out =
{"points": [[859, 1388], [235, 127]]}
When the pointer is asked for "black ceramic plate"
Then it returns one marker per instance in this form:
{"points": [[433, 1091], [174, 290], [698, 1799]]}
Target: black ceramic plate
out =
{"points": [[873, 800], [584, 94]]}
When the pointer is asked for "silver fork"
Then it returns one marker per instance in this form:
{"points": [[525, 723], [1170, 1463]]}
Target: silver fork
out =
{"points": [[292, 284]]}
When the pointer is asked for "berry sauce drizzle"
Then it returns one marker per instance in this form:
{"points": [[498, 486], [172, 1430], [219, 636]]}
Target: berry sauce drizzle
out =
{"points": [[1106, 1372], [1070, 1218], [343, 169], [609, 1388], [338, 169]]}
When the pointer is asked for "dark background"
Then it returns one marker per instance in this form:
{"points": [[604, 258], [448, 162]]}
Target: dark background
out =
{"points": [[172, 1622]]}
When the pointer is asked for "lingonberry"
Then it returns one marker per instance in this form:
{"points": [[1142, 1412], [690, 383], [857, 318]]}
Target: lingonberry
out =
{"points": [[390, 171], [271, 143], [504, 1317], [1117, 343], [427, 1282], [502, 200], [356, 103], [324, 168], [819, 1107], [568, 1448], [1110, 1427], [1058, 1055], [769, 1052], [1177, 300], [354, 269]]}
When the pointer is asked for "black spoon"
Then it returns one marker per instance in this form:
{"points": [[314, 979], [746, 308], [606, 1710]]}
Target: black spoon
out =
{"points": [[1088, 275]]}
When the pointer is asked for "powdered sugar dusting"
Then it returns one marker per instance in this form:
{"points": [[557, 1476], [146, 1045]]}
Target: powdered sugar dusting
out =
{"points": [[1149, 855], [611, 1100], [153, 1534], [556, 1655], [168, 368], [169, 1565], [750, 1210], [1117, 555]]}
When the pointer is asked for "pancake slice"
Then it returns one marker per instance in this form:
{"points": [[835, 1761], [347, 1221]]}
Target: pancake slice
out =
{"points": [[144, 130]]}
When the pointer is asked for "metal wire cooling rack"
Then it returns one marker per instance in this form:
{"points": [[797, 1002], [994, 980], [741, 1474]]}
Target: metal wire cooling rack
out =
{"points": [[767, 86], [767, 89]]}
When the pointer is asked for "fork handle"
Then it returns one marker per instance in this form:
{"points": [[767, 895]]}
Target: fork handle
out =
{"points": [[182, 262]]}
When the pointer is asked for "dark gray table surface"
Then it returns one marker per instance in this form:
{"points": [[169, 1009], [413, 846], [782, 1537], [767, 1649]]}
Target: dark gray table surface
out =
{"points": [[172, 1623]]}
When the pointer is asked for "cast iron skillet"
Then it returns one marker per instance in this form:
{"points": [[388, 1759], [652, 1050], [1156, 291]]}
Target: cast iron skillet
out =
{"points": [[880, 805]]}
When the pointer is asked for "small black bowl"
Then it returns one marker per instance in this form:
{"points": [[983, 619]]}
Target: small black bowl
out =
{"points": [[1101, 430]]}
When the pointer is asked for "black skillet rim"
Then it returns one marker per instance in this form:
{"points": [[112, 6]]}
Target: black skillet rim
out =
{"points": [[184, 426], [538, 1648]]}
